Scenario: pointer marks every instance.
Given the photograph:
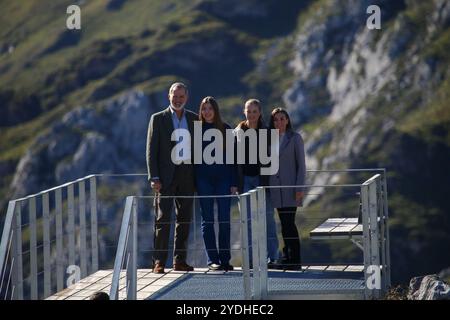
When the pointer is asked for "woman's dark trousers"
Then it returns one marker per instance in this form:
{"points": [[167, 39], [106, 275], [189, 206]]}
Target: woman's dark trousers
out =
{"points": [[291, 251]]}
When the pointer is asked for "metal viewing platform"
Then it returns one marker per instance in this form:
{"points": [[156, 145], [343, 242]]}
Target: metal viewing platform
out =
{"points": [[50, 246], [320, 282]]}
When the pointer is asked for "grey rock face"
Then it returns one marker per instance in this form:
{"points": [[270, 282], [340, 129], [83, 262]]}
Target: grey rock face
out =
{"points": [[110, 138], [347, 65], [428, 287]]}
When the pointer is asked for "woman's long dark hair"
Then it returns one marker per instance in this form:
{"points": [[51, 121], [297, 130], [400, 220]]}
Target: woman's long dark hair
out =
{"points": [[217, 121], [277, 111]]}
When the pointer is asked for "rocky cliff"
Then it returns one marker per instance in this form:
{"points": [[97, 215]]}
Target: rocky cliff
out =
{"points": [[360, 97]]}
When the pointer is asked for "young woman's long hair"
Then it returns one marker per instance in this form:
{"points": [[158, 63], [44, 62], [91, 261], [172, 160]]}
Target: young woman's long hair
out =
{"points": [[282, 111], [217, 120], [257, 103]]}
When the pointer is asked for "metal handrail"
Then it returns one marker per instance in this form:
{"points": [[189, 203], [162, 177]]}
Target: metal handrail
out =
{"points": [[129, 227], [127, 223], [13, 208], [257, 206], [375, 234], [13, 222]]}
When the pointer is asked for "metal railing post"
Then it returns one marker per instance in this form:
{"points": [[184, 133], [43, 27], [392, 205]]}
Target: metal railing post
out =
{"points": [[382, 226], [121, 248], [82, 208], [244, 246], [194, 213], [366, 237], [59, 240], [374, 230], [262, 239], [94, 226], [71, 223], [33, 249], [18, 292], [5, 236], [255, 245], [387, 271], [13, 275], [46, 239], [132, 266]]}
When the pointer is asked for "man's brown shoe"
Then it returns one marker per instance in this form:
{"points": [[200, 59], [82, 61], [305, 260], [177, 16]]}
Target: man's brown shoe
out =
{"points": [[182, 266], [158, 268]]}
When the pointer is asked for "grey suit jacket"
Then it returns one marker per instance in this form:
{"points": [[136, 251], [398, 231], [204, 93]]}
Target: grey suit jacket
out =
{"points": [[292, 171], [159, 145]]}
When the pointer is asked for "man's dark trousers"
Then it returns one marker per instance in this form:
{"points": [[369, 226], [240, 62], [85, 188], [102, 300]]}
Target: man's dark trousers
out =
{"points": [[182, 185]]}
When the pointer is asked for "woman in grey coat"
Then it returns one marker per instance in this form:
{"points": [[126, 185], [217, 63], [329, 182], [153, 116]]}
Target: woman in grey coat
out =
{"points": [[291, 172]]}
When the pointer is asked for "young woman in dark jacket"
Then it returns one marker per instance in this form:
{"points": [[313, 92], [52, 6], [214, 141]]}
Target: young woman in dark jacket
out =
{"points": [[215, 179]]}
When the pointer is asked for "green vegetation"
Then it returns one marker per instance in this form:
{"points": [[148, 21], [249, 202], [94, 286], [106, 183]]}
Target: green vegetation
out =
{"points": [[149, 44], [417, 14], [113, 55], [440, 48], [431, 122]]}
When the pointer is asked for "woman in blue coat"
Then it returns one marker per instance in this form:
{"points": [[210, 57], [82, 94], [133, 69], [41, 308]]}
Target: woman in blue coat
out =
{"points": [[215, 179], [291, 172]]}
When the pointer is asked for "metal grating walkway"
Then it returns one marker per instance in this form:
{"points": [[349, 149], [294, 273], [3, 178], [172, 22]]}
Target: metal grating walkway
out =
{"points": [[229, 286], [203, 284]]}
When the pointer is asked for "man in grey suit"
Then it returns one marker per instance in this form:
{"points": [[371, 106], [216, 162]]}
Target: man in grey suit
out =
{"points": [[171, 174]]}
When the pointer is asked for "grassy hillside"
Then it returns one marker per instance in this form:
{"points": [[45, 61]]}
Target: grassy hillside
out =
{"points": [[235, 50]]}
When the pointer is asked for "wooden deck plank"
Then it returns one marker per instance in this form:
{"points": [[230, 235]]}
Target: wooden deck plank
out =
{"points": [[334, 228], [344, 228], [354, 268], [336, 268], [325, 228]]}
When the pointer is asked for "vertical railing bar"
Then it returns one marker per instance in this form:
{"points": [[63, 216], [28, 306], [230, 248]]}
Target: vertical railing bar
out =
{"points": [[386, 221], [46, 239], [94, 232], [71, 223], [135, 247], [195, 230], [9, 242], [366, 237], [82, 208], [374, 235], [9, 278], [59, 240], [13, 292], [18, 253], [33, 249], [381, 217], [131, 268], [255, 245], [13, 240], [5, 241], [127, 265], [121, 248], [126, 255], [244, 246], [262, 240]]}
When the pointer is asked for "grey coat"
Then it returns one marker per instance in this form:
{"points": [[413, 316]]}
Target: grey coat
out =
{"points": [[291, 171], [159, 145]]}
